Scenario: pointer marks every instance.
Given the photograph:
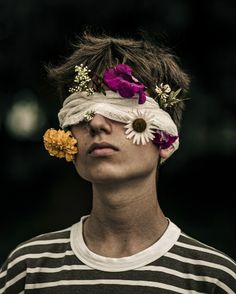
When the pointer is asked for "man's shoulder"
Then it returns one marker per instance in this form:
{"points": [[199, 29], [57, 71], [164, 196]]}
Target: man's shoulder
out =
{"points": [[32, 254], [46, 242], [198, 248], [202, 256]]}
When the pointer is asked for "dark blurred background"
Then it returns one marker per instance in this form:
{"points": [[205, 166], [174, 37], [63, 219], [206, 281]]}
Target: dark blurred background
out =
{"points": [[197, 185]]}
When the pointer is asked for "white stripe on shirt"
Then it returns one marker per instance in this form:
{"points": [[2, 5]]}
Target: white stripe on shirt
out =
{"points": [[111, 282]]}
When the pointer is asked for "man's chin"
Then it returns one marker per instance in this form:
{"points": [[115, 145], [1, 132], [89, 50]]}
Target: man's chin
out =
{"points": [[107, 179]]}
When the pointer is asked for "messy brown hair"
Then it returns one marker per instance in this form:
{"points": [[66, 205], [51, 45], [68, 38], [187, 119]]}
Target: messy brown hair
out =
{"points": [[151, 65]]}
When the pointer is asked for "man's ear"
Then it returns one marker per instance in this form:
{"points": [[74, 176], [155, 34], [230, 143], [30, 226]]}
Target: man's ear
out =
{"points": [[165, 153]]}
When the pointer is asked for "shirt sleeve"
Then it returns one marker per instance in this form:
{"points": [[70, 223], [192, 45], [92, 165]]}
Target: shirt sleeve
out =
{"points": [[12, 275]]}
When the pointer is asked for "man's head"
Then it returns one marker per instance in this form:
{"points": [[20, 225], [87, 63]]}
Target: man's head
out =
{"points": [[151, 65], [135, 83]]}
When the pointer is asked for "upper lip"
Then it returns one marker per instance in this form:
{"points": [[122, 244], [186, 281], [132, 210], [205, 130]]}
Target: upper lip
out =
{"points": [[100, 146]]}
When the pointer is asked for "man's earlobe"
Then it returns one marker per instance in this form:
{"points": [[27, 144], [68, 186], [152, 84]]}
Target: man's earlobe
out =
{"points": [[165, 153]]}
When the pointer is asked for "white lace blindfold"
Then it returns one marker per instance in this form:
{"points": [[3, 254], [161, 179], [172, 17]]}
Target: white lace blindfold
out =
{"points": [[114, 107]]}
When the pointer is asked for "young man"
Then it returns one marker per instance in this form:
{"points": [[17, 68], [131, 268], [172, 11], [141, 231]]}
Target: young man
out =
{"points": [[123, 102]]}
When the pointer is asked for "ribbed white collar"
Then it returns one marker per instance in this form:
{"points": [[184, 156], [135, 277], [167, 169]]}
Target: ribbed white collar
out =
{"points": [[135, 261]]}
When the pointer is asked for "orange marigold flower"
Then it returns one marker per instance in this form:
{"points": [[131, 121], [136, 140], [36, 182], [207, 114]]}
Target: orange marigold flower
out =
{"points": [[60, 144]]}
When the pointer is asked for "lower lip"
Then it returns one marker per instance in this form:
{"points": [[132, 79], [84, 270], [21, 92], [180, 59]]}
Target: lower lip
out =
{"points": [[100, 152]]}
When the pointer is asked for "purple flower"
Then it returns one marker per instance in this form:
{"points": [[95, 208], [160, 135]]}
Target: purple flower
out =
{"points": [[119, 79], [163, 139]]}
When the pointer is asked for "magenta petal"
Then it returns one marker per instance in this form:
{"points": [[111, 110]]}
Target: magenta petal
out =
{"points": [[113, 84], [120, 79], [139, 88], [136, 87], [123, 68], [109, 74], [142, 97], [126, 90], [111, 80], [163, 139]]}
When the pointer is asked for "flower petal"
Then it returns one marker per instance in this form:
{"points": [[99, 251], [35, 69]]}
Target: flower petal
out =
{"points": [[126, 89], [163, 139], [132, 134], [143, 139], [111, 80], [142, 97], [120, 79], [123, 68], [60, 144]]}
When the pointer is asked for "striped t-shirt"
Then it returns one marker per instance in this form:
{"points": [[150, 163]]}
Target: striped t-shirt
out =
{"points": [[60, 263]]}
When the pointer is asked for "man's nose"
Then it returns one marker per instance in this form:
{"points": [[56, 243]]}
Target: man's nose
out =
{"points": [[100, 124]]}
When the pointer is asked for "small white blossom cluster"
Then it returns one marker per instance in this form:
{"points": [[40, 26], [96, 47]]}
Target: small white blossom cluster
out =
{"points": [[89, 115], [82, 79], [167, 98]]}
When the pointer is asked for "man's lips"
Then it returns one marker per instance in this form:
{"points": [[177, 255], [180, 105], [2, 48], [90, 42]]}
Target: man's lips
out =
{"points": [[101, 149]]}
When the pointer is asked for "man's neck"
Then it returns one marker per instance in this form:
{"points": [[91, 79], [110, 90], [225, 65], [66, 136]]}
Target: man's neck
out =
{"points": [[125, 219]]}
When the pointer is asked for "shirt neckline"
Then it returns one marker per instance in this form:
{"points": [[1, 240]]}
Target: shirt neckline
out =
{"points": [[110, 264]]}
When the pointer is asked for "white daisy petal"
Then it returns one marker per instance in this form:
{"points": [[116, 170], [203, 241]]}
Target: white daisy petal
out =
{"points": [[128, 131], [138, 139], [146, 137], [135, 140], [151, 137], [143, 139], [132, 134]]}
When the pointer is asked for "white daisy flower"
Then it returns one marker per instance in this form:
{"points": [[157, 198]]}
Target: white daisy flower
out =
{"points": [[140, 127]]}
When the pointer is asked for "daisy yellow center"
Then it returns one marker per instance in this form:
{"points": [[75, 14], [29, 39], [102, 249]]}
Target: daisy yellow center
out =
{"points": [[139, 125]]}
